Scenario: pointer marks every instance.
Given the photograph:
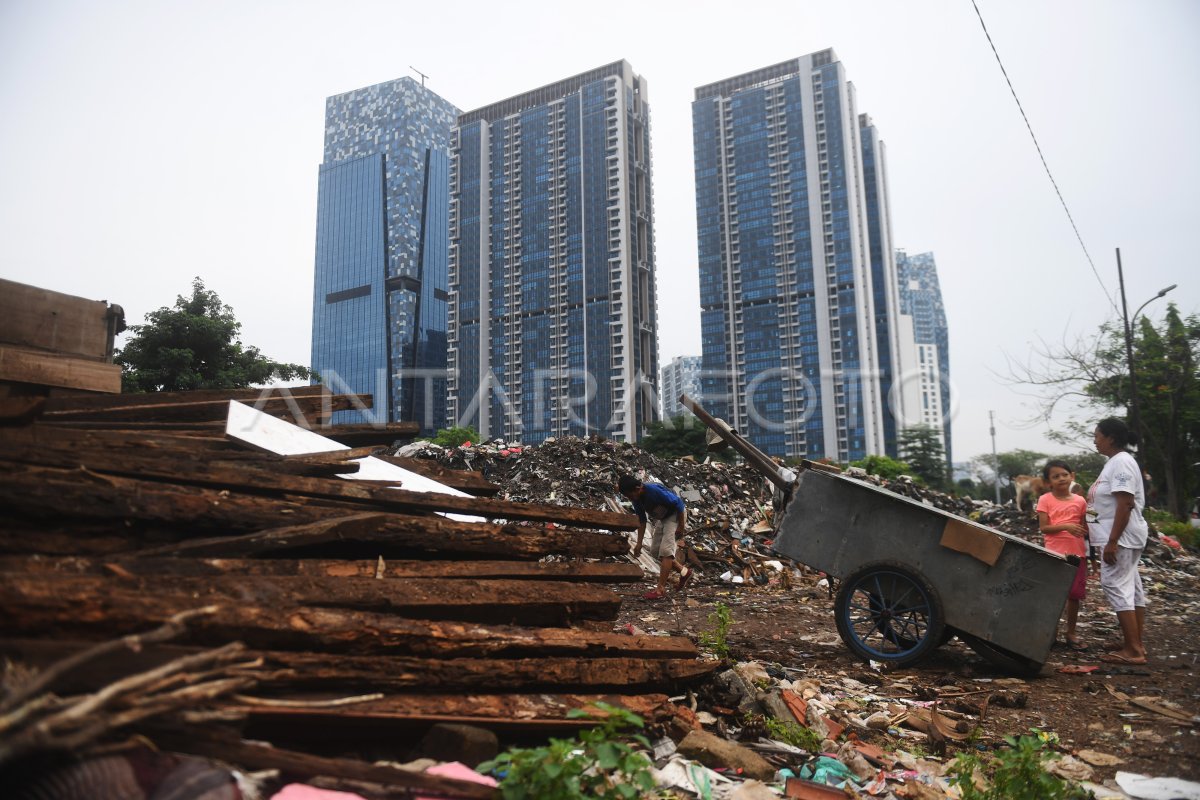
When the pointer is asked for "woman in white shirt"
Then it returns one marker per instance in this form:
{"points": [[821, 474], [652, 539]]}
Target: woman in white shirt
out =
{"points": [[1116, 524]]}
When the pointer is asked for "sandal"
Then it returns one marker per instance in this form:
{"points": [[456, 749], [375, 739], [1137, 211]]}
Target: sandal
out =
{"points": [[684, 577], [653, 594], [1076, 645]]}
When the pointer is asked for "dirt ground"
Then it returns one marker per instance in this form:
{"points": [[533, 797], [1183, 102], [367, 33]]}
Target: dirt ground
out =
{"points": [[795, 629]]}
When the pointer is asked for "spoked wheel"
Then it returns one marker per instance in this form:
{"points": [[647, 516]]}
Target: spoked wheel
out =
{"points": [[887, 612]]}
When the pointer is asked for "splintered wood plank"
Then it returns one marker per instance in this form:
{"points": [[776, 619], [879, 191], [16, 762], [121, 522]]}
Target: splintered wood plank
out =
{"points": [[47, 493], [93, 402], [260, 479], [367, 434], [395, 531], [23, 365], [587, 571], [32, 610], [554, 603], [288, 672], [211, 410], [505, 713], [305, 766], [51, 321], [464, 480]]}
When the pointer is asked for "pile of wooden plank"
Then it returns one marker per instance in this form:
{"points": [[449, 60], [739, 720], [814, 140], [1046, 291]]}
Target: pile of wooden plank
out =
{"points": [[368, 611]]}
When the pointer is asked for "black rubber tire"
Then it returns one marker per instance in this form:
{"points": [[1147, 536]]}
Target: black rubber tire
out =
{"points": [[1006, 660], [887, 611]]}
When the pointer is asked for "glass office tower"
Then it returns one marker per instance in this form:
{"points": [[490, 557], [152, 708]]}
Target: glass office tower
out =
{"points": [[921, 298], [790, 208], [379, 299], [552, 295]]}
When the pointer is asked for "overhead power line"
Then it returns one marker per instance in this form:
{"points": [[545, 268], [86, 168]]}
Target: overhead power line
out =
{"points": [[1042, 156]]}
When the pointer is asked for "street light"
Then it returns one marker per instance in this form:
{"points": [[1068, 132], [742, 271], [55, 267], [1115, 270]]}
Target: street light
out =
{"points": [[1135, 416]]}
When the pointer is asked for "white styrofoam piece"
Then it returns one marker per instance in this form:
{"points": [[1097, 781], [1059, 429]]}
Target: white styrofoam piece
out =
{"points": [[265, 432]]}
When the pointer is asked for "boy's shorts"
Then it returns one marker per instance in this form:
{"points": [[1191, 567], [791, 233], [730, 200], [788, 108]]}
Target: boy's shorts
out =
{"points": [[662, 537]]}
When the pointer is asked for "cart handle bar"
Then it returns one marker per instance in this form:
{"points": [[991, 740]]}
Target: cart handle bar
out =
{"points": [[780, 476]]}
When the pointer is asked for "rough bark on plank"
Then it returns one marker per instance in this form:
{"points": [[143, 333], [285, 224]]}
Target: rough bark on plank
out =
{"points": [[588, 571], [464, 480], [50, 493], [505, 713], [101, 402], [430, 534], [22, 365], [247, 478], [367, 434], [552, 604], [32, 609], [309, 407], [298, 765]]}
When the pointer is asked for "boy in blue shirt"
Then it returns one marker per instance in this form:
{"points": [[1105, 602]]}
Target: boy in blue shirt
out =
{"points": [[668, 517]]}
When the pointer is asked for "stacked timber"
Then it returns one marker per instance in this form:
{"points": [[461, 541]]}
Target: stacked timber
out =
{"points": [[358, 611]]}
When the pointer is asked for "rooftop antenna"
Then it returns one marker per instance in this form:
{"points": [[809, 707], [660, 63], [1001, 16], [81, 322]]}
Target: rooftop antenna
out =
{"points": [[422, 74]]}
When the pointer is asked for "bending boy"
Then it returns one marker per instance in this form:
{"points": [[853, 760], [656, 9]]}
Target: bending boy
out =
{"points": [[668, 517]]}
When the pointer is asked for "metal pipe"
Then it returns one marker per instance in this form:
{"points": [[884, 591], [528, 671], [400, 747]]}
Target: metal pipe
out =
{"points": [[780, 476]]}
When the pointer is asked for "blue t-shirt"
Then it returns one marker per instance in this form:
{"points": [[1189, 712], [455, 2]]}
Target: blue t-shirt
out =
{"points": [[658, 502]]}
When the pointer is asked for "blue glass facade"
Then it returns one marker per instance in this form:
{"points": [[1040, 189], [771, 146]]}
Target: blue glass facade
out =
{"points": [[552, 311], [921, 297], [787, 311], [392, 341]]}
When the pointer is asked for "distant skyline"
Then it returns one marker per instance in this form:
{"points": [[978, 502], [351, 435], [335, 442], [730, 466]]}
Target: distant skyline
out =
{"points": [[144, 143]]}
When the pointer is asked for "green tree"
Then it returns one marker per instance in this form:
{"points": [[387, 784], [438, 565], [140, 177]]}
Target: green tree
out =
{"points": [[677, 437], [921, 447], [453, 437], [883, 466], [1094, 373], [195, 345], [1008, 464], [1168, 386]]}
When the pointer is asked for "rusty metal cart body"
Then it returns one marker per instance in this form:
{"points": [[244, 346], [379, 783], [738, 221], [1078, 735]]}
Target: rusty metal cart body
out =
{"points": [[911, 575]]}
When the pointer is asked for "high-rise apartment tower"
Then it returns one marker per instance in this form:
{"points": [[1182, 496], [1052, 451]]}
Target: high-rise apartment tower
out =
{"points": [[552, 295], [379, 299], [680, 376], [929, 388], [795, 260]]}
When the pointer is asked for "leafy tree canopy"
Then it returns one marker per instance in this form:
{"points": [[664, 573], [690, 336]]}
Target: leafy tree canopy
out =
{"points": [[677, 437], [1008, 464], [921, 447], [453, 437], [883, 466], [1094, 372], [195, 345]]}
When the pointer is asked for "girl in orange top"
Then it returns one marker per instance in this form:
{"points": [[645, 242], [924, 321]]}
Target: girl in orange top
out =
{"points": [[1061, 520]]}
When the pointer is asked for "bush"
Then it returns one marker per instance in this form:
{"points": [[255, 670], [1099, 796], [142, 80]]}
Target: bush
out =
{"points": [[596, 764], [1018, 773], [883, 466], [453, 437]]}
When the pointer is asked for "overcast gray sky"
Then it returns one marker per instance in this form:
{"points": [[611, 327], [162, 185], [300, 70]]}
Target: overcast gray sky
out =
{"points": [[144, 143]]}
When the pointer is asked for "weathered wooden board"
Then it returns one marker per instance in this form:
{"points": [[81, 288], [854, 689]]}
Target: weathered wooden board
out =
{"points": [[24, 365]]}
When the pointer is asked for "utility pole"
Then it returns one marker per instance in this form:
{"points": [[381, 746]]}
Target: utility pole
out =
{"points": [[995, 458], [1135, 417]]}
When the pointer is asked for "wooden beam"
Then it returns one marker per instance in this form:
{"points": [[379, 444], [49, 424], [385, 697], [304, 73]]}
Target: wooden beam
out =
{"points": [[249, 478], [22, 365], [464, 480], [54, 322], [97, 403], [549, 604], [310, 406], [366, 435], [583, 571]]}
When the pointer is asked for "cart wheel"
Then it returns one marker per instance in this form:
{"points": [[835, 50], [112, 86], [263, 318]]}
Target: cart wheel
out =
{"points": [[1006, 660], [887, 612]]}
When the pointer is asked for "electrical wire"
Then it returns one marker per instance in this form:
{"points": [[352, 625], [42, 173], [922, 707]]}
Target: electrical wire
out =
{"points": [[1107, 295]]}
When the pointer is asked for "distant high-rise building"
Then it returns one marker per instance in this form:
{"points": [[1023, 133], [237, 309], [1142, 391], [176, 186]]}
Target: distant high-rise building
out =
{"points": [[921, 299], [681, 376], [379, 299], [552, 295], [794, 236]]}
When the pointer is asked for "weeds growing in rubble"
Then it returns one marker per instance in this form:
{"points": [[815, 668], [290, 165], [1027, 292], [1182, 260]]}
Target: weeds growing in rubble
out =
{"points": [[1018, 773], [717, 640], [596, 764], [794, 734]]}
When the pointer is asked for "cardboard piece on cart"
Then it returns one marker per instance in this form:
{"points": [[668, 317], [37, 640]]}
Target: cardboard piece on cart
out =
{"points": [[963, 537]]}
